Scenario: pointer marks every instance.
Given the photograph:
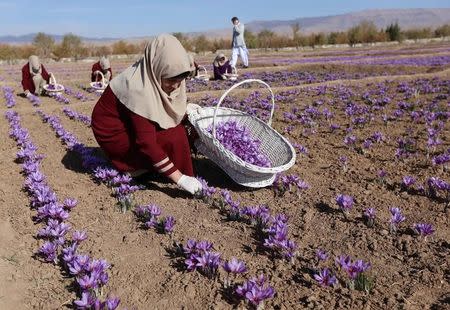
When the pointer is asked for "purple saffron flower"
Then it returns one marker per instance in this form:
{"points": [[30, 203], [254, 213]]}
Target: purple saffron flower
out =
{"points": [[396, 218], [382, 173], [325, 278], [344, 202], [369, 215], [154, 210], [169, 223], [87, 283], [79, 236], [70, 203], [112, 303], [424, 229], [352, 269], [49, 252], [255, 290], [234, 266], [408, 181], [86, 301], [321, 255]]}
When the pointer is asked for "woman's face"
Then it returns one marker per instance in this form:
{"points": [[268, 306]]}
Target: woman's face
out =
{"points": [[169, 85]]}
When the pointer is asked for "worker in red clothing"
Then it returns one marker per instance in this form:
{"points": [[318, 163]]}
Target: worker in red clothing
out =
{"points": [[34, 76], [103, 66], [138, 119]]}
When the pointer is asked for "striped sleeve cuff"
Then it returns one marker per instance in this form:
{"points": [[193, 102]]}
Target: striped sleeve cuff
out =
{"points": [[165, 167]]}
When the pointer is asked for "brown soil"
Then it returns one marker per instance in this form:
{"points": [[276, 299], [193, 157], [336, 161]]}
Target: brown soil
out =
{"points": [[409, 273]]}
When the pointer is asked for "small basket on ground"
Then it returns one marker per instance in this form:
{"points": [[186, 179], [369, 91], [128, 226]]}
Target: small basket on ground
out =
{"points": [[204, 76], [99, 86], [273, 145], [233, 75], [52, 87]]}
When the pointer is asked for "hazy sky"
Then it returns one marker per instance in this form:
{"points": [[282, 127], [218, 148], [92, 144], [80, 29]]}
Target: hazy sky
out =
{"points": [[124, 18]]}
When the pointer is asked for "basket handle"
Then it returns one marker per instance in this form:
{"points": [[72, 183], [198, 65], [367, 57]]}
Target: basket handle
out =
{"points": [[52, 79], [202, 67], [102, 75], [269, 122]]}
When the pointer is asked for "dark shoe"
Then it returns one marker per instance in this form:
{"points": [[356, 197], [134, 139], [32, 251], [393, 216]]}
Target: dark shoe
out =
{"points": [[245, 67]]}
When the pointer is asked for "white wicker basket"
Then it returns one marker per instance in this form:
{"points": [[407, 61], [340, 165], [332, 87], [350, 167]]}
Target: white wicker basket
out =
{"points": [[233, 75], [202, 76], [52, 87], [99, 86], [273, 145]]}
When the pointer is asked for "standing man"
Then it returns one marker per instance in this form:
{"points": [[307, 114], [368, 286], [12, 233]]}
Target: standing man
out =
{"points": [[238, 43]]}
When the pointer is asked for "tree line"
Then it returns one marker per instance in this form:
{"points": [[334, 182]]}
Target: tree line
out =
{"points": [[365, 32]]}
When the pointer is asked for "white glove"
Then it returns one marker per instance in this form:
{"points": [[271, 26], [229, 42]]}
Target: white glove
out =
{"points": [[189, 184]]}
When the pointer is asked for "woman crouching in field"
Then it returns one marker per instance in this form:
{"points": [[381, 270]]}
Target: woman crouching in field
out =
{"points": [[34, 76], [138, 119], [103, 66], [221, 66]]}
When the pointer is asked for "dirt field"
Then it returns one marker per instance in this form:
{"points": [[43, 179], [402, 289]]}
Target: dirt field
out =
{"points": [[408, 271]]}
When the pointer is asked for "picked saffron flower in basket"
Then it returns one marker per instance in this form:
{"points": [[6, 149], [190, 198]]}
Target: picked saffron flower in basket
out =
{"points": [[245, 147], [238, 139]]}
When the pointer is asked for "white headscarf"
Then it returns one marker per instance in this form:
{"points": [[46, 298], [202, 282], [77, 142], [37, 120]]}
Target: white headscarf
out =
{"points": [[217, 60], [34, 63], [139, 87], [104, 63]]}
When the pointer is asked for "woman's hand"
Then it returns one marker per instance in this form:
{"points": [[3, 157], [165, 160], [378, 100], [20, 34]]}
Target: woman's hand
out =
{"points": [[189, 184]]}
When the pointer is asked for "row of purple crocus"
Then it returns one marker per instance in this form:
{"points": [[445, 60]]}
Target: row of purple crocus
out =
{"points": [[90, 274]]}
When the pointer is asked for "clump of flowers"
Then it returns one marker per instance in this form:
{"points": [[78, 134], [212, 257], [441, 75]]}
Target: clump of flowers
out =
{"points": [[77, 116], [8, 93], [436, 185], [396, 218], [238, 139], [369, 216], [207, 192], [256, 291], [200, 257], [424, 229], [289, 183], [149, 216], [325, 278], [343, 162], [382, 176], [355, 271], [233, 267], [277, 239], [345, 203]]}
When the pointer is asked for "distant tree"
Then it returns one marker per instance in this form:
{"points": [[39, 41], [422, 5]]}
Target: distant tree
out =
{"points": [[364, 32], [393, 31], [201, 44], [123, 48], [184, 40], [250, 39], [443, 31], [7, 52], [266, 38], [337, 38], [418, 33], [295, 30], [317, 39], [99, 50], [71, 46], [44, 44], [25, 51], [220, 44]]}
